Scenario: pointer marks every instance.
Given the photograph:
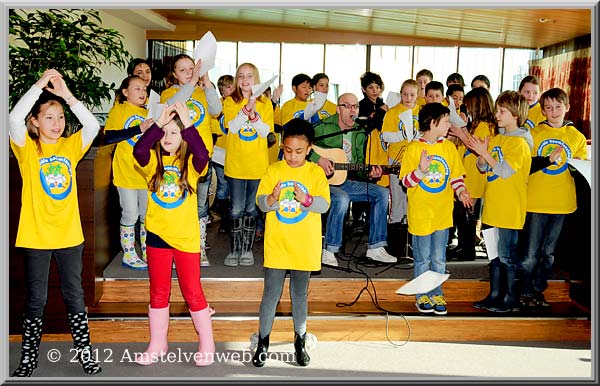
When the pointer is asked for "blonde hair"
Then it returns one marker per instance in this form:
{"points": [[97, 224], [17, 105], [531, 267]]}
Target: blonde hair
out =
{"points": [[237, 95], [515, 103]]}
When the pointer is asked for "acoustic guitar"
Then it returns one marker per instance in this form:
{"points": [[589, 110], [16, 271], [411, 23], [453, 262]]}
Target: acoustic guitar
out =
{"points": [[341, 165]]}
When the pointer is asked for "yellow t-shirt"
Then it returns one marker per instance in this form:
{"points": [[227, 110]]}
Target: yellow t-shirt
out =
{"points": [[125, 173], [475, 180], [173, 214], [431, 201], [534, 116], [376, 154], [552, 190], [247, 155], [274, 150], [49, 216], [199, 115], [393, 124], [295, 109], [421, 101], [505, 200], [292, 236]]}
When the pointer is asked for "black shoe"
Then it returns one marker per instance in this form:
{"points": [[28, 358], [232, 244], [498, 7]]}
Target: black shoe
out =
{"points": [[260, 355], [460, 254], [539, 301], [302, 357]]}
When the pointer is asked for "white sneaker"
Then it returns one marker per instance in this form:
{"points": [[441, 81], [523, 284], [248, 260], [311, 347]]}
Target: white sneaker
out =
{"points": [[380, 254], [328, 258]]}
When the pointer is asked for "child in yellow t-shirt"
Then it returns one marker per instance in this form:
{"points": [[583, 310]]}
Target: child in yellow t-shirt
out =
{"points": [[423, 78], [555, 141], [172, 157], [49, 222], [125, 124], [506, 160], [432, 173], [294, 193]]}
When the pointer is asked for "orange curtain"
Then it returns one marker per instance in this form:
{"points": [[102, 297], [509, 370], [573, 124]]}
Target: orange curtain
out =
{"points": [[570, 71]]}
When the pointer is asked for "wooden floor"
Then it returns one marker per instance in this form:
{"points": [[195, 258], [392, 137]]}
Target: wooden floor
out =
{"points": [[121, 314]]}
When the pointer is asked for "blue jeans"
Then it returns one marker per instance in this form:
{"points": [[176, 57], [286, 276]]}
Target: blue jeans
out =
{"points": [[243, 197], [351, 191], [37, 268], [222, 189], [507, 248], [429, 253], [543, 231], [202, 192]]}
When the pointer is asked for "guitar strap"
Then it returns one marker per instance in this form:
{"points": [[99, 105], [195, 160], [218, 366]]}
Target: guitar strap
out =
{"points": [[320, 137]]}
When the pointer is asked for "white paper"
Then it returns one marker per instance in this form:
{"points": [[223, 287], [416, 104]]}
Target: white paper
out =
{"points": [[425, 282], [490, 236], [409, 131], [392, 99], [259, 89], [154, 106], [584, 167], [206, 51], [218, 155], [455, 119]]}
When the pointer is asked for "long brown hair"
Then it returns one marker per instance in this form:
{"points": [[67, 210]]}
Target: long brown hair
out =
{"points": [[182, 156], [480, 106], [170, 79]]}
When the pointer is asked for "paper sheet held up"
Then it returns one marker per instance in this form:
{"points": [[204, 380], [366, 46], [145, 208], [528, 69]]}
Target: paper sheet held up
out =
{"points": [[423, 283], [206, 51]]}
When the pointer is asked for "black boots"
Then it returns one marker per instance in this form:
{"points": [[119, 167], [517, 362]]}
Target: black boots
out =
{"points": [[81, 342], [260, 356], [233, 258], [510, 299], [30, 347], [302, 357], [495, 286], [249, 230]]}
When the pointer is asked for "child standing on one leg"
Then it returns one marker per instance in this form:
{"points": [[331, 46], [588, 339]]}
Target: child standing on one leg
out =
{"points": [[172, 156], [293, 193], [432, 173], [49, 223]]}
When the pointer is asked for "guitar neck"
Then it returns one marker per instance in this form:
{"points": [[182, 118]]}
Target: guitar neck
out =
{"points": [[365, 167]]}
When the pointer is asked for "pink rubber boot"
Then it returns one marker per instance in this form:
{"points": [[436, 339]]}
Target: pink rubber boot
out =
{"points": [[159, 327], [206, 345]]}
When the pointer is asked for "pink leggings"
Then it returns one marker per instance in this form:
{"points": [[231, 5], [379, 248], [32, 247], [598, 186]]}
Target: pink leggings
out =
{"points": [[160, 261]]}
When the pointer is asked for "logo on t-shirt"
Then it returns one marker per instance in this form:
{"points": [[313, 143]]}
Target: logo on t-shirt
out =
{"points": [[496, 154], [56, 177], [222, 124], [248, 132], [133, 120], [169, 195], [197, 111], [436, 178], [547, 147], [314, 119], [290, 211]]}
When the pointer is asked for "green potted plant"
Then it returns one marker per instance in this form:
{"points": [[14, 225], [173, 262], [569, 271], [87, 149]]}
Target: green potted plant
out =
{"points": [[74, 42]]}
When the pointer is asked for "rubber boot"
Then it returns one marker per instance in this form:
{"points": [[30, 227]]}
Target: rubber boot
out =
{"points": [[302, 357], [80, 332], [260, 355], [203, 256], [233, 258], [206, 344], [158, 319], [30, 347], [510, 300], [143, 242], [130, 256], [495, 286], [249, 231]]}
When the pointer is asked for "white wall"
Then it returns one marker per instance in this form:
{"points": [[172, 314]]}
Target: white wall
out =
{"points": [[134, 42]]}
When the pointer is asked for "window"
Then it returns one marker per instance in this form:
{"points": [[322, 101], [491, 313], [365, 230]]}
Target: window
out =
{"points": [[224, 61], [393, 64], [441, 61], [516, 67], [265, 56], [344, 64], [481, 61], [296, 59]]}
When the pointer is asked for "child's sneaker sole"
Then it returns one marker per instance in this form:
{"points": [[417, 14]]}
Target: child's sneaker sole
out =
{"points": [[441, 313]]}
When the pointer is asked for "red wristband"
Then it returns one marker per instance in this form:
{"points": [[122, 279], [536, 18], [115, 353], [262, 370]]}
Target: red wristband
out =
{"points": [[308, 200]]}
